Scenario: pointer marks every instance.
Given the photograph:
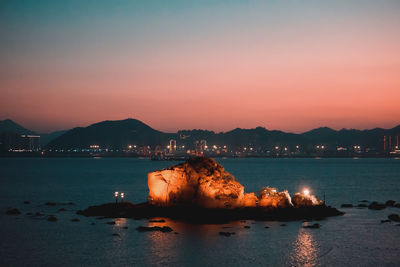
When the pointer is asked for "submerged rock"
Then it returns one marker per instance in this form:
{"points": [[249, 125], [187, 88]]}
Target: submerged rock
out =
{"points": [[376, 206], [226, 233], [394, 217], [13, 212], [390, 203], [313, 226]]}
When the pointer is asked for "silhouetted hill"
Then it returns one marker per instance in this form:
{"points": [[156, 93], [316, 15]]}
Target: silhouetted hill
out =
{"points": [[9, 126], [119, 134], [47, 138], [111, 134]]}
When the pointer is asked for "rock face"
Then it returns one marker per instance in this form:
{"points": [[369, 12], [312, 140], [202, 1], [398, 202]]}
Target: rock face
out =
{"points": [[204, 183], [199, 181], [303, 200]]}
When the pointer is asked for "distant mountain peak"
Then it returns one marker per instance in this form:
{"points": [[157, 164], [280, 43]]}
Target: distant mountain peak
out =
{"points": [[10, 126]]}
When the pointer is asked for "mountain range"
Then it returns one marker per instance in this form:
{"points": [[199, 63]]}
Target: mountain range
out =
{"points": [[121, 133]]}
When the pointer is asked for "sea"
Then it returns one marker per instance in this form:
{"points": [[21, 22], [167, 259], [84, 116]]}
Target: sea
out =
{"points": [[358, 238]]}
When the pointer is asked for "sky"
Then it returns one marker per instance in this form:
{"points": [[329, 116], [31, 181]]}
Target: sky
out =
{"points": [[217, 65]]}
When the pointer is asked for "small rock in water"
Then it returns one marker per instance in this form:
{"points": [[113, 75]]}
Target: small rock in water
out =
{"points": [[246, 226], [313, 226], [111, 223], [52, 219], [364, 200], [397, 205], [164, 229], [115, 234], [157, 221], [385, 221], [50, 204], [62, 209], [75, 220], [266, 227], [376, 206], [29, 213], [283, 224], [347, 205], [13, 212], [125, 227], [38, 214], [26, 202], [362, 205], [390, 203], [394, 217], [226, 233]]}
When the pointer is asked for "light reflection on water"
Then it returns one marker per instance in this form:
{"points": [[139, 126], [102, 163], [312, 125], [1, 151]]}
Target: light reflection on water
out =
{"points": [[305, 249]]}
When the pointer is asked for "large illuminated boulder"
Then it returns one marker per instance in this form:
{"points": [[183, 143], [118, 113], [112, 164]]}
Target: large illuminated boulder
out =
{"points": [[305, 200], [199, 181], [270, 197]]}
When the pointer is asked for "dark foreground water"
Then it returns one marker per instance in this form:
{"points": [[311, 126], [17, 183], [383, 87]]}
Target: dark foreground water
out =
{"points": [[356, 239]]}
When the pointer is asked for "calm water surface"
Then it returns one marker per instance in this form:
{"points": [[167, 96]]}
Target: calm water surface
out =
{"points": [[357, 238]]}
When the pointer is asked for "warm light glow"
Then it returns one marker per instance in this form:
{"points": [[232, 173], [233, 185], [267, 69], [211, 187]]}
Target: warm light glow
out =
{"points": [[306, 192], [129, 146], [116, 194], [122, 195]]}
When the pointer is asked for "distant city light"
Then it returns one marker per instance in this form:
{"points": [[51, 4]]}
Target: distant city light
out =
{"points": [[116, 194], [129, 146]]}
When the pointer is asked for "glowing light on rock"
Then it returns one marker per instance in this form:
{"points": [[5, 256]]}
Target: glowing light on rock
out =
{"points": [[306, 192]]}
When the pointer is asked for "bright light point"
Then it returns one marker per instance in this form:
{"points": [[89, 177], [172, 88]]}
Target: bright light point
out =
{"points": [[116, 194], [306, 192]]}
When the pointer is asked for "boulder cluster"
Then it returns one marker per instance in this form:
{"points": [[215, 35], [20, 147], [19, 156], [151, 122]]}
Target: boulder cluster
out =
{"points": [[204, 183]]}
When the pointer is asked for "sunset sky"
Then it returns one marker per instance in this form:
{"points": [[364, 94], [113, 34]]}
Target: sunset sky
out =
{"points": [[218, 65]]}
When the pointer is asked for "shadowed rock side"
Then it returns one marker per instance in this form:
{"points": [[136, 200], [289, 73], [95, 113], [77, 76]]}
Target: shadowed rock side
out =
{"points": [[202, 182]]}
